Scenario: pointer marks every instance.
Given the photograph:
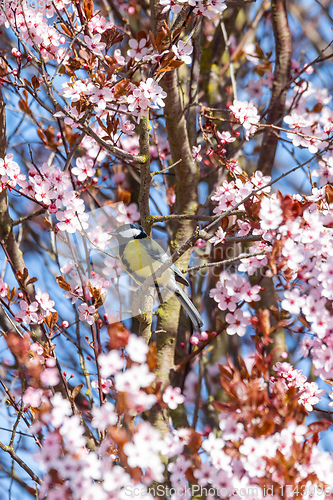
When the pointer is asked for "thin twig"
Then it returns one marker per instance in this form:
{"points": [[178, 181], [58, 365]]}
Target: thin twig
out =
{"points": [[158, 172], [198, 394], [221, 263], [231, 64], [20, 462], [162, 218], [28, 217]]}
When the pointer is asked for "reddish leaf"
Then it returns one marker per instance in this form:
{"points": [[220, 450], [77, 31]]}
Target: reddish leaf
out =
{"points": [[194, 442], [122, 88], [88, 7], [63, 283], [321, 425], [76, 391]]}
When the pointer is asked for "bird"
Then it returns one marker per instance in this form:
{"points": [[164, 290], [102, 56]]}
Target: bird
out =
{"points": [[141, 256]]}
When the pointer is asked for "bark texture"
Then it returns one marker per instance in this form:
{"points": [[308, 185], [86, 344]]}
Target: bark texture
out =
{"points": [[277, 103], [7, 236], [187, 176]]}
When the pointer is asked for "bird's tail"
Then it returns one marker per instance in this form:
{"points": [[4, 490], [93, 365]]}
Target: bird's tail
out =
{"points": [[189, 308]]}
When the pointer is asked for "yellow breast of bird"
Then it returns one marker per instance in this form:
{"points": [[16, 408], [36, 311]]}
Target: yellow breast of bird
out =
{"points": [[140, 264]]}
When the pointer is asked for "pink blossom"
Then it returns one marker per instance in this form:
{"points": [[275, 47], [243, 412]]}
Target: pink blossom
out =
{"points": [[238, 321], [94, 44], [50, 376], [200, 243], [44, 300], [246, 113], [183, 52], [104, 416], [153, 92], [110, 363], [224, 300], [99, 23], [84, 168], [171, 4], [198, 337], [87, 313], [259, 181], [60, 411], [127, 127], [137, 348], [140, 401], [270, 213], [138, 49], [218, 237], [28, 313], [119, 58], [172, 397], [309, 392], [10, 171], [225, 137], [250, 264], [3, 289], [196, 153], [32, 397], [70, 221], [310, 395], [178, 468], [293, 301], [105, 385], [99, 238], [73, 433], [254, 89], [213, 444], [127, 213], [119, 178], [145, 447], [205, 474], [115, 478], [231, 429], [134, 378]]}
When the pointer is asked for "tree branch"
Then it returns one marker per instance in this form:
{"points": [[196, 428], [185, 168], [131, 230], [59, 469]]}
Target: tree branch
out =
{"points": [[20, 462], [146, 317], [280, 84]]}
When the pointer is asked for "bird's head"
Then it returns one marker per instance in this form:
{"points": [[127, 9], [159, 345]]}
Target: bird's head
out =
{"points": [[128, 232]]}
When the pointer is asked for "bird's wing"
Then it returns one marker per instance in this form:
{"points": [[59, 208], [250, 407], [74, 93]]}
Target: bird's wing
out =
{"points": [[179, 275], [156, 252], [190, 308]]}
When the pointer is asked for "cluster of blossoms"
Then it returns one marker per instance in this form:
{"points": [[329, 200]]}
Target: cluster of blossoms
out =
{"points": [[297, 238], [36, 311], [33, 25], [140, 50], [52, 188], [240, 460], [38, 367], [231, 193], [147, 95], [301, 237], [99, 473], [309, 392], [311, 119], [232, 290], [247, 114], [208, 8], [137, 101]]}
